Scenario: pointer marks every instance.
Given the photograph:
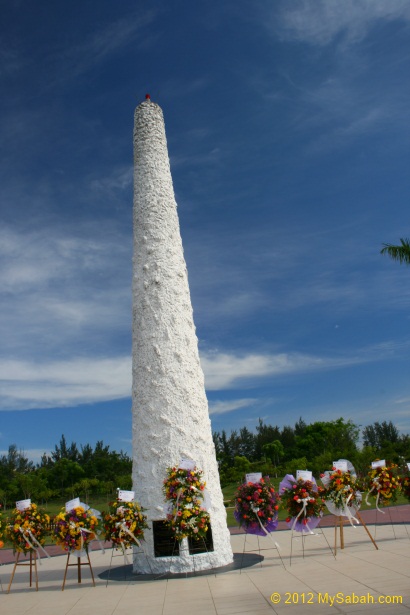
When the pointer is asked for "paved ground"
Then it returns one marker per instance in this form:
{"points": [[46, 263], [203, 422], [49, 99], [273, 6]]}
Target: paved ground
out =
{"points": [[360, 578]]}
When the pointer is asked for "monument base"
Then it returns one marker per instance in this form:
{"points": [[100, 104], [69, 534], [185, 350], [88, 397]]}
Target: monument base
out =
{"points": [[171, 556], [184, 562]]}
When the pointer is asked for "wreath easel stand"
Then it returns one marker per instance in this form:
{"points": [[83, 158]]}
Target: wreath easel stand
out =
{"points": [[275, 546], [29, 563], [303, 537], [79, 563], [339, 522], [391, 521]]}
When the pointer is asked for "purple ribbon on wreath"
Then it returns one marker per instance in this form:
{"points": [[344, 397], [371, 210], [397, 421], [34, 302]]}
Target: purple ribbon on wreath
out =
{"points": [[254, 527], [299, 526]]}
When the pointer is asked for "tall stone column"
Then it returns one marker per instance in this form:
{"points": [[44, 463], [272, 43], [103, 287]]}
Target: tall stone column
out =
{"points": [[170, 408]]}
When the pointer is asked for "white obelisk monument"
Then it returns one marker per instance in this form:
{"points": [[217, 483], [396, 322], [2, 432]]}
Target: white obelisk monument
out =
{"points": [[170, 408]]}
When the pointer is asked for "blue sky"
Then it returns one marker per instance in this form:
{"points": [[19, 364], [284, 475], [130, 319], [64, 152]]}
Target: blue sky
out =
{"points": [[288, 131]]}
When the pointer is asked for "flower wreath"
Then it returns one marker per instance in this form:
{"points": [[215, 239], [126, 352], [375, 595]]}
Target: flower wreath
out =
{"points": [[341, 493], [124, 524], [405, 484], [1, 530], [27, 529], [383, 484], [303, 501], [184, 490], [75, 529], [256, 507]]}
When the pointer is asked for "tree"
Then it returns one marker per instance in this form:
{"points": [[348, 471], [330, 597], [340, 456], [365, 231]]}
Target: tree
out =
{"points": [[264, 435], [63, 451], [32, 485], [14, 461], [386, 441], [300, 427], [380, 434], [86, 486], [274, 451], [247, 443], [337, 437], [288, 439], [65, 473], [242, 466], [398, 253]]}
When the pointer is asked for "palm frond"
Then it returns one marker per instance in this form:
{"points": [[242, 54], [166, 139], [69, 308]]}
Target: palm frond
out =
{"points": [[398, 253]]}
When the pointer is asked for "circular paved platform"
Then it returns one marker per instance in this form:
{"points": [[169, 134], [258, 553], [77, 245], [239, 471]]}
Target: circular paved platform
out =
{"points": [[125, 573]]}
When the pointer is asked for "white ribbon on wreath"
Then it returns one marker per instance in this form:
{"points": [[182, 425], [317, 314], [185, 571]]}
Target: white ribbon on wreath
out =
{"points": [[36, 546], [78, 529], [348, 512], [255, 509], [304, 502], [125, 530], [122, 526], [376, 485]]}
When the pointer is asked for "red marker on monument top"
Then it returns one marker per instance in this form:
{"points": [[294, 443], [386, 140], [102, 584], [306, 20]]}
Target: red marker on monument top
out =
{"points": [[147, 97]]}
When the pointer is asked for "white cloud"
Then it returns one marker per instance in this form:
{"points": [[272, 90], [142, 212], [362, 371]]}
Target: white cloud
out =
{"points": [[340, 110], [319, 22], [77, 381], [226, 371], [344, 99], [63, 292], [120, 179], [104, 42], [221, 407], [31, 384], [280, 272], [40, 257], [27, 385], [403, 400]]}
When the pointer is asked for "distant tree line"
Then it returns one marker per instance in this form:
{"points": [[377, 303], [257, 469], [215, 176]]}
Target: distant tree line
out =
{"points": [[277, 451], [67, 472], [71, 471]]}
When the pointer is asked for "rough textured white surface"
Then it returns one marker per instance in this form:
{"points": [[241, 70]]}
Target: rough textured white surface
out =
{"points": [[170, 409]]}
